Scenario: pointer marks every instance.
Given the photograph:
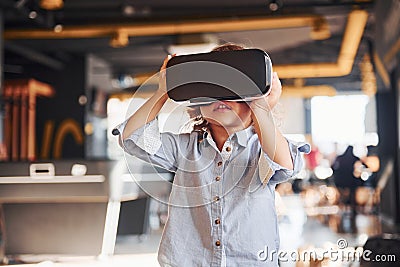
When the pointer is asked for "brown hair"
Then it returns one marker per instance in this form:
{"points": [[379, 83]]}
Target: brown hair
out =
{"points": [[200, 124], [228, 47]]}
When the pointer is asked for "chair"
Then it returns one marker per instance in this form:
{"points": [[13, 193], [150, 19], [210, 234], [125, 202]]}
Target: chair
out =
{"points": [[383, 250]]}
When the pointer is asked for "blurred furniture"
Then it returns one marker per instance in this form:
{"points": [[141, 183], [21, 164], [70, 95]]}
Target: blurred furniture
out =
{"points": [[20, 117], [367, 199], [128, 223], [154, 183], [383, 250], [55, 214], [69, 208]]}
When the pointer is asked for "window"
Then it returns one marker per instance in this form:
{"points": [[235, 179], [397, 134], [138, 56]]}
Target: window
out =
{"points": [[341, 120]]}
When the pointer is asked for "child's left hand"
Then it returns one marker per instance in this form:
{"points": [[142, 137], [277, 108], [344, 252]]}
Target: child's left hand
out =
{"points": [[268, 102]]}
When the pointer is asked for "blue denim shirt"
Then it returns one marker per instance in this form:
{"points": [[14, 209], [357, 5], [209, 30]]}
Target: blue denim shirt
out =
{"points": [[220, 214]]}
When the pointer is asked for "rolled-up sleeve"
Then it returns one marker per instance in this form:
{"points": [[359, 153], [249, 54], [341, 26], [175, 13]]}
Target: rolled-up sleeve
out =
{"points": [[148, 144], [148, 138], [272, 172]]}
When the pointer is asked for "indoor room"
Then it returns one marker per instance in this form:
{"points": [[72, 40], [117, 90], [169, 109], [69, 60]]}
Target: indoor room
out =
{"points": [[183, 133]]}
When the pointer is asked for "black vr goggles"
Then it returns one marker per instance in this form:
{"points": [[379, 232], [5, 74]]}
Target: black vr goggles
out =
{"points": [[239, 75]]}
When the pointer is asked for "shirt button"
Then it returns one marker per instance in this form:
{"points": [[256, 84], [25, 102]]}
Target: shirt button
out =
{"points": [[216, 198], [219, 163], [228, 148], [217, 178], [217, 221], [218, 243]]}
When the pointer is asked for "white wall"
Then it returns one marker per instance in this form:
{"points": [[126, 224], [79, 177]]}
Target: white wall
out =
{"points": [[98, 73], [293, 117]]}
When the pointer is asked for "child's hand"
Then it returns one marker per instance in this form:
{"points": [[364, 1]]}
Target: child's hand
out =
{"points": [[268, 102], [162, 81]]}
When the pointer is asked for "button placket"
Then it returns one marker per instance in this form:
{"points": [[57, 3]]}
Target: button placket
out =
{"points": [[226, 150], [219, 171], [218, 201], [216, 207]]}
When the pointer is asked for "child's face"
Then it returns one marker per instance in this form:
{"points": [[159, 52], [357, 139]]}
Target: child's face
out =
{"points": [[227, 114]]}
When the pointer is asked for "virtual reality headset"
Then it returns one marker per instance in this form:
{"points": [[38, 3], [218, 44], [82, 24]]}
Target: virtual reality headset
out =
{"points": [[240, 75]]}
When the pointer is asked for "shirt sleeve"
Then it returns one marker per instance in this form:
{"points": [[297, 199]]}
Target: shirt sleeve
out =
{"points": [[272, 172], [148, 144]]}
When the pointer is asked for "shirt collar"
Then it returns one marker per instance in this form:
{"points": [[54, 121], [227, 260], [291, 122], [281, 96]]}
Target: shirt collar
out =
{"points": [[242, 136]]}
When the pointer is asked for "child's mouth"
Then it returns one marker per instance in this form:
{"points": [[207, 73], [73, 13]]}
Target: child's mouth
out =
{"points": [[220, 106]]}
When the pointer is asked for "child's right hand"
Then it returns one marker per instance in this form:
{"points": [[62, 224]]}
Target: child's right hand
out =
{"points": [[276, 91], [149, 110], [268, 102], [162, 81]]}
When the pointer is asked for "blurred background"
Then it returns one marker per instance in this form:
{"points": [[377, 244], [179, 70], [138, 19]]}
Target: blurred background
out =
{"points": [[70, 71]]}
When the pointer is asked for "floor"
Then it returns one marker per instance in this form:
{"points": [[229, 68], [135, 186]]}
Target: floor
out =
{"points": [[298, 232]]}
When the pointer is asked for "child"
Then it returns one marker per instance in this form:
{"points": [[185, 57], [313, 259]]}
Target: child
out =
{"points": [[221, 209]]}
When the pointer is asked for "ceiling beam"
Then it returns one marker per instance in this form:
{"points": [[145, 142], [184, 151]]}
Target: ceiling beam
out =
{"points": [[180, 27], [356, 22], [308, 91], [34, 55], [41, 19]]}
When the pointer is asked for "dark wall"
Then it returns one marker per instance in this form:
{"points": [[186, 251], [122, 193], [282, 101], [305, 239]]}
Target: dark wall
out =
{"points": [[388, 104], [63, 109], [387, 117]]}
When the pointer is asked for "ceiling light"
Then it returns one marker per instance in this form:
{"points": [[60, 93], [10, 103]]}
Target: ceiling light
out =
{"points": [[128, 10], [120, 39], [51, 4], [58, 28], [32, 15], [274, 5], [146, 11]]}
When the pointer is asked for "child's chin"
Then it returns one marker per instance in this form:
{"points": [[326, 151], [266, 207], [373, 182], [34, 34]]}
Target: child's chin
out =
{"points": [[231, 124]]}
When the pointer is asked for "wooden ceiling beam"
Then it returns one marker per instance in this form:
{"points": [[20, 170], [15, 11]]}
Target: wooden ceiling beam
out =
{"points": [[356, 23], [170, 28], [353, 33]]}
